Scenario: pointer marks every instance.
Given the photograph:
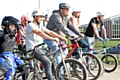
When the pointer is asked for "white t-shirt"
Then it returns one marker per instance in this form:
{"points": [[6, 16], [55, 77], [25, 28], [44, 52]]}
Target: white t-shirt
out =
{"points": [[76, 26], [33, 39]]}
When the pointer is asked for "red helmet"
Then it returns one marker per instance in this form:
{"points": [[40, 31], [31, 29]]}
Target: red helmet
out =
{"points": [[24, 20]]}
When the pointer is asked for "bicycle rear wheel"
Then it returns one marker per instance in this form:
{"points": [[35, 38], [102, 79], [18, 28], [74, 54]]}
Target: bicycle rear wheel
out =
{"points": [[72, 67], [33, 76], [110, 62], [93, 65]]}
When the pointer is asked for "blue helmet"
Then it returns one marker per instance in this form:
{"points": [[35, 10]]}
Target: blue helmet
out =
{"points": [[63, 5]]}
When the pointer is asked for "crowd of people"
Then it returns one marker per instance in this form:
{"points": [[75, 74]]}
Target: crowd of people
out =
{"points": [[27, 34]]}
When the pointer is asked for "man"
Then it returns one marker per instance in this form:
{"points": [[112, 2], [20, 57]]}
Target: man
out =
{"points": [[34, 36], [76, 22], [59, 22], [94, 26]]}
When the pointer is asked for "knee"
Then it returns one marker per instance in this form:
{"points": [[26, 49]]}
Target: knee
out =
{"points": [[48, 63]]}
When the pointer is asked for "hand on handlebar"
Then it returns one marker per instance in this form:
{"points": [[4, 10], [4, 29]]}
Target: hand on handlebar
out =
{"points": [[64, 39], [56, 40], [82, 35], [100, 39], [106, 39]]}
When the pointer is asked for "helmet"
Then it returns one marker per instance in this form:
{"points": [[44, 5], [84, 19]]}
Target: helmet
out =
{"points": [[8, 20], [46, 16], [24, 18], [75, 10], [63, 5], [37, 12], [99, 13]]}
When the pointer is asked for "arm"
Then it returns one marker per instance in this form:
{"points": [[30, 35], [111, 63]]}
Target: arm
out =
{"points": [[104, 31], [57, 20], [72, 20], [53, 34], [95, 29], [42, 34], [78, 22], [71, 27]]}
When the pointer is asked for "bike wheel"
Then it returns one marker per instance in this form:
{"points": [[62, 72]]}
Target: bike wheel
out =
{"points": [[2, 74], [102, 69], [93, 65], [72, 65], [110, 62], [33, 76]]}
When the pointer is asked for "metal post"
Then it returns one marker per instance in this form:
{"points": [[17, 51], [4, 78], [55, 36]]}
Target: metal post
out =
{"points": [[39, 3]]}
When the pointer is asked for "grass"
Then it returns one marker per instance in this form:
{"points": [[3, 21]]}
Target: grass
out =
{"points": [[111, 43]]}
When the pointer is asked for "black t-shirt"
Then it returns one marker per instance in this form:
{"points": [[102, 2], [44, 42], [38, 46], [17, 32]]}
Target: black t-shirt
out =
{"points": [[89, 30]]}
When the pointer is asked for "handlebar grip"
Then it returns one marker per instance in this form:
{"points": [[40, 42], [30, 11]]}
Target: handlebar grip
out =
{"points": [[39, 45]]}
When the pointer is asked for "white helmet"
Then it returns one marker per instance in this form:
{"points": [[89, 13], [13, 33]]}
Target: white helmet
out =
{"points": [[76, 10], [100, 13], [37, 12]]}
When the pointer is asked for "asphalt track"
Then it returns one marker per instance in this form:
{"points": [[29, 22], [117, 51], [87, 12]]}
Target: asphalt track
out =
{"points": [[111, 76]]}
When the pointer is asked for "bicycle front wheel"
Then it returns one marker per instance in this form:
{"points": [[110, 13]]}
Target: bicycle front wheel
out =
{"points": [[110, 62], [93, 65], [33, 76], [73, 68]]}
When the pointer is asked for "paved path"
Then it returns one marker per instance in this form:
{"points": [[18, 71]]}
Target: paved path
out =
{"points": [[111, 76]]}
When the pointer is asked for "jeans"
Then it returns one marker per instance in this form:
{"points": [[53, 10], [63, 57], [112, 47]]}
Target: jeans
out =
{"points": [[82, 43], [90, 41], [54, 46], [41, 56]]}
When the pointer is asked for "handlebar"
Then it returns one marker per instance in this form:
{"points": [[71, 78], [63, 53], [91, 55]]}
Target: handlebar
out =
{"points": [[25, 58], [77, 39]]}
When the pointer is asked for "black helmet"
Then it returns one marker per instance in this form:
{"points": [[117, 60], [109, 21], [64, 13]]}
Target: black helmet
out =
{"points": [[8, 20], [63, 5]]}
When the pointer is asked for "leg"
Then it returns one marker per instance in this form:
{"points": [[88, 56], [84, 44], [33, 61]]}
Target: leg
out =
{"points": [[19, 62], [53, 46], [41, 56], [84, 45], [9, 59], [90, 41]]}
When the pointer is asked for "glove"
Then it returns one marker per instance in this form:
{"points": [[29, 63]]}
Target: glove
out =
{"points": [[106, 39], [100, 39]]}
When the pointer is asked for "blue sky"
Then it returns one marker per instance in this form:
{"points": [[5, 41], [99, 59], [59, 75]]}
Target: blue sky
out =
{"points": [[88, 8]]}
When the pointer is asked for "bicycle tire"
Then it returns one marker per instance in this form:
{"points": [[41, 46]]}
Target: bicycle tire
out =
{"points": [[2, 74], [71, 61], [102, 69], [32, 76], [111, 58], [97, 75]]}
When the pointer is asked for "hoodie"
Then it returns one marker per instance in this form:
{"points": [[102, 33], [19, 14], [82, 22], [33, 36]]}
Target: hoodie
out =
{"points": [[59, 24]]}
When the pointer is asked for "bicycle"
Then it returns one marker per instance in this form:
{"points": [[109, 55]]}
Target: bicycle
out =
{"points": [[30, 66], [68, 72], [110, 62], [91, 65]]}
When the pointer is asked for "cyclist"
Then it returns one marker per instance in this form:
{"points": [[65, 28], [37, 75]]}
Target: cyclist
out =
{"points": [[7, 36], [94, 26], [19, 38], [76, 22], [35, 34], [59, 22]]}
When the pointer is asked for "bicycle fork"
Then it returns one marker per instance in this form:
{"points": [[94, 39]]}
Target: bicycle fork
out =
{"points": [[65, 65]]}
